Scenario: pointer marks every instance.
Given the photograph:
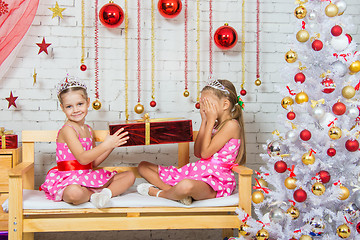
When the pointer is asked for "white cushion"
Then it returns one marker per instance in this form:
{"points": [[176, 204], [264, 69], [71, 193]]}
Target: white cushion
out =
{"points": [[34, 199]]}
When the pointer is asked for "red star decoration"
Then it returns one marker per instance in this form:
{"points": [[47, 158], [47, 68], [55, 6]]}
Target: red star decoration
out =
{"points": [[11, 100], [43, 46]]}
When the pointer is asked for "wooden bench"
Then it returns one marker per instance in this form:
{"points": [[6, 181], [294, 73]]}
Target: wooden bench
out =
{"points": [[24, 223]]}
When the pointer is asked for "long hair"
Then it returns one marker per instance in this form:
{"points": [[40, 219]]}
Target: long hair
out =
{"points": [[236, 113]]}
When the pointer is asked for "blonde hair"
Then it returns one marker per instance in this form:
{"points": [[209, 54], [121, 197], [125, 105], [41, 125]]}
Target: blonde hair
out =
{"points": [[236, 113], [73, 89]]}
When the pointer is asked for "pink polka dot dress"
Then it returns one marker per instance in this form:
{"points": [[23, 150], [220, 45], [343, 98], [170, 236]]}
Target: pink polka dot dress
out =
{"points": [[56, 181], [215, 171]]}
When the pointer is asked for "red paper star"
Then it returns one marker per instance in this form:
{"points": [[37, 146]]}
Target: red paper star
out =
{"points": [[43, 46], [11, 100]]}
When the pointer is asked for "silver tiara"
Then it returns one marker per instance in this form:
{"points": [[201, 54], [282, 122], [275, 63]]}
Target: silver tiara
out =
{"points": [[217, 85], [69, 82]]}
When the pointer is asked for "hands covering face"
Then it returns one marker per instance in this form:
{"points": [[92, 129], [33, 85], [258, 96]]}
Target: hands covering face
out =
{"points": [[208, 110]]}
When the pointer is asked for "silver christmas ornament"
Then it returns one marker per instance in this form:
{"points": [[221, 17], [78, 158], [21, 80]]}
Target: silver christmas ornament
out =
{"points": [[353, 112], [357, 198], [341, 6], [312, 15], [291, 135], [318, 226], [339, 68], [339, 43], [277, 215], [318, 112], [274, 148], [352, 211]]}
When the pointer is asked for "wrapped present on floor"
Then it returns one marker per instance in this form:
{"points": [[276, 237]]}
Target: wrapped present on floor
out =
{"points": [[148, 131], [8, 139]]}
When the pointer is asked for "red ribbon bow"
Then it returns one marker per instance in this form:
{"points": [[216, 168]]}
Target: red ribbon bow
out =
{"points": [[266, 190], [332, 122], [291, 92], [292, 174]]}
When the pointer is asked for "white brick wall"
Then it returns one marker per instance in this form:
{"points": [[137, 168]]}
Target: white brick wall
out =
{"points": [[38, 107]]}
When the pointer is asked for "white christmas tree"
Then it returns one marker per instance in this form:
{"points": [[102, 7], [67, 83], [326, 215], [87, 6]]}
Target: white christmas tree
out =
{"points": [[308, 187]]}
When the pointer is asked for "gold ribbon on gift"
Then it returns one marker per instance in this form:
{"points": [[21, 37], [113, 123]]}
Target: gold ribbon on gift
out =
{"points": [[314, 103], [147, 120], [3, 137]]}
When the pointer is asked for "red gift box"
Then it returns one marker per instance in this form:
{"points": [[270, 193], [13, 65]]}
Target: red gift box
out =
{"points": [[8, 139], [155, 131]]}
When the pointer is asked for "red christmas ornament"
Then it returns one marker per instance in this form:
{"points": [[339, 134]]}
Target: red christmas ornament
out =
{"points": [[169, 8], [352, 145], [339, 108], [358, 227], [328, 85], [280, 166], [225, 37], [299, 77], [111, 15], [43, 46], [331, 152], [300, 195], [197, 105], [243, 92], [152, 103], [336, 30], [83, 67], [11, 100], [324, 176], [305, 135], [291, 115], [349, 37], [317, 45]]}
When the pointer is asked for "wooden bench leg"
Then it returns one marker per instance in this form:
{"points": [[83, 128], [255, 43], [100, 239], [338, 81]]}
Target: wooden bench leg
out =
{"points": [[227, 233]]}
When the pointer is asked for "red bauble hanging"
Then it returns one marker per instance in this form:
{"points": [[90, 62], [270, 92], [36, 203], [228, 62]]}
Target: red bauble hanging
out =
{"points": [[328, 85], [280, 166], [339, 108], [225, 37], [197, 105], [331, 152], [358, 227], [317, 45], [305, 135], [300, 195], [111, 15], [299, 77], [243, 92], [83, 67], [169, 8], [152, 103], [352, 145], [336, 30], [291, 115], [324, 176]]}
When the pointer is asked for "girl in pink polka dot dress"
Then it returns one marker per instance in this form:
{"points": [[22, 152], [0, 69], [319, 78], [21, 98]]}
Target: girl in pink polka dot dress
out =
{"points": [[220, 145], [73, 180]]}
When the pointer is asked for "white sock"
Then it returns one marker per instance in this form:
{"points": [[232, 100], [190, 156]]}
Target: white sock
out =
{"points": [[102, 198]]}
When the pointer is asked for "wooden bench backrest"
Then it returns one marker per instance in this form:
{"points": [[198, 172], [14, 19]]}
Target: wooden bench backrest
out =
{"points": [[29, 138]]}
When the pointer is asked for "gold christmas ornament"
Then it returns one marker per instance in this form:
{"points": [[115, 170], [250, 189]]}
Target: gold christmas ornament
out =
{"points": [[318, 188], [286, 102], [291, 56], [290, 182], [331, 10], [262, 234], [348, 92], [257, 82], [345, 193], [293, 212], [343, 231], [262, 182], [305, 237], [302, 35], [257, 197], [242, 230], [301, 97], [96, 104], [139, 108], [300, 12], [334, 133], [307, 159], [186, 93], [355, 66]]}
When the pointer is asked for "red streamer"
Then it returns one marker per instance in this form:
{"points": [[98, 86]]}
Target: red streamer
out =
{"points": [[303, 25], [210, 38], [332, 122], [258, 39], [138, 53], [291, 92], [293, 202], [292, 174], [259, 187], [96, 50], [186, 43], [311, 152], [348, 220], [357, 87]]}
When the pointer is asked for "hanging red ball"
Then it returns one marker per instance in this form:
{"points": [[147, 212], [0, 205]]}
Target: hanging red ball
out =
{"points": [[291, 115], [305, 135], [336, 30], [317, 45], [243, 92], [328, 85], [299, 77], [331, 152], [352, 145], [280, 166], [349, 37], [111, 15], [225, 37], [197, 105], [358, 227], [169, 8], [152, 103], [324, 176], [339, 108], [300, 195], [83, 67]]}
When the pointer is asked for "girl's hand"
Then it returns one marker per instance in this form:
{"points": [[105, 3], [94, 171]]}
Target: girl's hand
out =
{"points": [[210, 111], [202, 110], [117, 139]]}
